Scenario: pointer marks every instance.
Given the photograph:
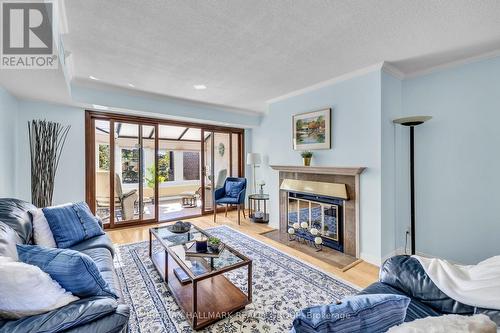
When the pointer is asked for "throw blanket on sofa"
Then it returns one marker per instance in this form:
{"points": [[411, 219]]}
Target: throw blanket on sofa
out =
{"points": [[474, 285]]}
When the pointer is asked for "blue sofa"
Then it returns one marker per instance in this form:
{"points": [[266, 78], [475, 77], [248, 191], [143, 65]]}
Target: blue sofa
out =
{"points": [[403, 275], [96, 314]]}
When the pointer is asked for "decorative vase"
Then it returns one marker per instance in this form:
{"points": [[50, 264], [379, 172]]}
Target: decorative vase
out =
{"points": [[307, 161], [201, 246], [46, 139]]}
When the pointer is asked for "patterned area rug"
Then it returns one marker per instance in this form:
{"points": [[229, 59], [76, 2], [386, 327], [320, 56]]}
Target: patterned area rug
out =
{"points": [[282, 286]]}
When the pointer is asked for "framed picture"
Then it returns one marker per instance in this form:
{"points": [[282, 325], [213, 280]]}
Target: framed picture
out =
{"points": [[311, 130]]}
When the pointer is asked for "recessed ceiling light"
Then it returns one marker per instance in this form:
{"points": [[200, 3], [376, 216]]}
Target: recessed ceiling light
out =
{"points": [[93, 78], [200, 87], [131, 85], [100, 107]]}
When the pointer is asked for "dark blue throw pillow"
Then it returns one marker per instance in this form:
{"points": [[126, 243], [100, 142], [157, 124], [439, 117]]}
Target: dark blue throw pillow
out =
{"points": [[233, 189], [72, 223], [74, 271], [364, 313]]}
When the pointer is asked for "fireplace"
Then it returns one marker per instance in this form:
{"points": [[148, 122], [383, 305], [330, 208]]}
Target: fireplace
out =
{"points": [[327, 199], [322, 213]]}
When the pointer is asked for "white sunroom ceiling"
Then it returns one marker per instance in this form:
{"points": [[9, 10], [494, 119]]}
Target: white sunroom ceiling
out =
{"points": [[167, 132]]}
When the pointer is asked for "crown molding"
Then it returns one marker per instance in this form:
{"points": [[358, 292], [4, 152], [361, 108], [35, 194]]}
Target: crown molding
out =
{"points": [[392, 70], [452, 64], [337, 79]]}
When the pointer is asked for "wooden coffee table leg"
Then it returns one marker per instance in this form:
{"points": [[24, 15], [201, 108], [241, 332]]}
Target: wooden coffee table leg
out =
{"points": [[250, 282], [150, 245], [195, 303]]}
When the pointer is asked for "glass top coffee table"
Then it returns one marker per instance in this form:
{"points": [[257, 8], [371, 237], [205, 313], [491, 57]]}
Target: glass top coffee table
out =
{"points": [[207, 296]]}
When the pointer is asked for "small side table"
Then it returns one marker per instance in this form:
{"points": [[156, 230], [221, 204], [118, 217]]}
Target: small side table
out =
{"points": [[254, 205], [188, 200]]}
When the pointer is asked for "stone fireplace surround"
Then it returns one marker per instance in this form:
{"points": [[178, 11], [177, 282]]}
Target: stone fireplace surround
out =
{"points": [[350, 176]]}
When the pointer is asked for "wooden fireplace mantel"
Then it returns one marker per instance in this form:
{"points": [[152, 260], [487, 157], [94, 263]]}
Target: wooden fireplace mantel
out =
{"points": [[345, 171]]}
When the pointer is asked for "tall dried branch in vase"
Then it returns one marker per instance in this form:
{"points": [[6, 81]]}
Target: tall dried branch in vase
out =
{"points": [[47, 140]]}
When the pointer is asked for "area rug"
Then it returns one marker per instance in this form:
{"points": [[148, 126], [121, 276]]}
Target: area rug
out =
{"points": [[282, 286]]}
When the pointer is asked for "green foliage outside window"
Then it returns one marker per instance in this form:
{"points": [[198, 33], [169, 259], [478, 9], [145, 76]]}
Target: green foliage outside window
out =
{"points": [[165, 166], [165, 171], [104, 157], [150, 177]]}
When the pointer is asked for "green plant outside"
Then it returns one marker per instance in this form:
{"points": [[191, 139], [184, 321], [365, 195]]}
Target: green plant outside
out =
{"points": [[150, 177]]}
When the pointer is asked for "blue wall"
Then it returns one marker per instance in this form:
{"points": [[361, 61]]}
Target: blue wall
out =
{"points": [[457, 162], [8, 111], [391, 109], [356, 139]]}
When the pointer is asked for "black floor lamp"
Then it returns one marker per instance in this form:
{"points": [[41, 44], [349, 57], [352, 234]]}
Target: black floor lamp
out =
{"points": [[412, 122]]}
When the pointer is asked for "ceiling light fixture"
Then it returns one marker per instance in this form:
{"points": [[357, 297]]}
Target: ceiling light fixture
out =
{"points": [[93, 78], [100, 107], [200, 87], [131, 85]]}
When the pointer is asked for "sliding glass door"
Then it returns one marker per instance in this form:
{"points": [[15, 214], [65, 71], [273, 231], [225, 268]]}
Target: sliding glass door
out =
{"points": [[147, 190], [179, 169], [125, 166], [208, 165], [127, 172], [143, 170], [221, 158]]}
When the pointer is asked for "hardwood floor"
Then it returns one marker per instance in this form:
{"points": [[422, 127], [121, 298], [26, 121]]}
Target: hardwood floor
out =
{"points": [[361, 275]]}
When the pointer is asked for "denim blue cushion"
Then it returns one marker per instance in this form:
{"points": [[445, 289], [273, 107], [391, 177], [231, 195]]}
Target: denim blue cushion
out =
{"points": [[364, 313], [74, 271], [72, 223], [415, 310], [233, 189]]}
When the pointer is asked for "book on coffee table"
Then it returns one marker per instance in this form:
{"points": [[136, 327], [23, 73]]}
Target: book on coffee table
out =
{"points": [[190, 250], [196, 268]]}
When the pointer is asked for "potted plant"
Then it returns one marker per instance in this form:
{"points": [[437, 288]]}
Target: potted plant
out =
{"points": [[214, 243], [306, 157]]}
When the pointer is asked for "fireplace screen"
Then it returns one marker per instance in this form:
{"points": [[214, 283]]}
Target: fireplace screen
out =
{"points": [[322, 216]]}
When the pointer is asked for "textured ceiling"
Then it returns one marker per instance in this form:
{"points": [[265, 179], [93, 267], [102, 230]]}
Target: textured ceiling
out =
{"points": [[247, 52]]}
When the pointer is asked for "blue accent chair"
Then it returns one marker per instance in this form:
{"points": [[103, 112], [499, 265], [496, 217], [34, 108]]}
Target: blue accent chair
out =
{"points": [[232, 193]]}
